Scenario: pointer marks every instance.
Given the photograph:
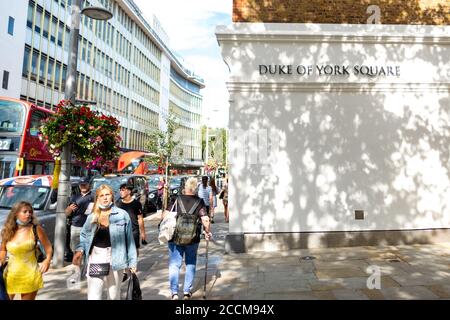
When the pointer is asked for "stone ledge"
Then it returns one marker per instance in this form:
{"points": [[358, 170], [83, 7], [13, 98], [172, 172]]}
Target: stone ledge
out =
{"points": [[241, 243]]}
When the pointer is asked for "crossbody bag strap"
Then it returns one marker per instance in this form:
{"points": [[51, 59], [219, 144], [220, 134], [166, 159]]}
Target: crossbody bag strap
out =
{"points": [[174, 205], [36, 237]]}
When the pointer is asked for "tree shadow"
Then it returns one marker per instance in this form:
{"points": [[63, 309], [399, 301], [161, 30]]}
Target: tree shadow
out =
{"points": [[372, 144]]}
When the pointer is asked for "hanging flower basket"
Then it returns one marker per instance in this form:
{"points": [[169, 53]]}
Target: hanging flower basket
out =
{"points": [[95, 137]]}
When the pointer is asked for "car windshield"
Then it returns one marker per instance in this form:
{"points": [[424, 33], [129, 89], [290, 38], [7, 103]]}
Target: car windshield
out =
{"points": [[35, 195], [175, 182], [153, 182], [114, 183]]}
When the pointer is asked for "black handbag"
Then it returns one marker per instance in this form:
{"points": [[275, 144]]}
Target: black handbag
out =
{"points": [[134, 289], [40, 255], [99, 269]]}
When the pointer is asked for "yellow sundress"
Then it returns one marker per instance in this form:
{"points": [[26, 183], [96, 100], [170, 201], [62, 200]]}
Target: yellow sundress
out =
{"points": [[22, 274]]}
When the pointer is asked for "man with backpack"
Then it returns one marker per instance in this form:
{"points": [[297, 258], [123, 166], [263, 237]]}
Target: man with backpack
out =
{"points": [[191, 215]]}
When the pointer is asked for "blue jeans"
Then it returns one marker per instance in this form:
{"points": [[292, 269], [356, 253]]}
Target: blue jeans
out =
{"points": [[176, 253]]}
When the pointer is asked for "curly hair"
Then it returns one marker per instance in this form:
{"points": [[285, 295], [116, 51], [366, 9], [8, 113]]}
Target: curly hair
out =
{"points": [[96, 210], [10, 227]]}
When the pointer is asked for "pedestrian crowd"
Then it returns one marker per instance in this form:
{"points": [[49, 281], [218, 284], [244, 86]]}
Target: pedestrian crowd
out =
{"points": [[105, 237]]}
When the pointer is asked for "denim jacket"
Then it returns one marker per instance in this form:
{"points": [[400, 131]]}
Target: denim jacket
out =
{"points": [[120, 231]]}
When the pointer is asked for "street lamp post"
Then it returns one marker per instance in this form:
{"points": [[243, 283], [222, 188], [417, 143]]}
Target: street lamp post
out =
{"points": [[66, 153]]}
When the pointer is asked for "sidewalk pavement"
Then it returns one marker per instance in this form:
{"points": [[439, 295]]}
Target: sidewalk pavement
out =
{"points": [[407, 272]]}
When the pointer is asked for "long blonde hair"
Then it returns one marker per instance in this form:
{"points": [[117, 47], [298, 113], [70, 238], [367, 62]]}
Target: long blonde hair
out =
{"points": [[10, 227], [96, 210]]}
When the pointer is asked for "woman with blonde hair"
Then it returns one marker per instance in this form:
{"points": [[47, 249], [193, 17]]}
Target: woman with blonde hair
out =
{"points": [[23, 273], [191, 204], [107, 243]]}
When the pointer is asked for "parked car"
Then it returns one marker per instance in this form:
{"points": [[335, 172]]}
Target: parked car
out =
{"points": [[37, 190], [139, 183], [177, 185], [154, 203]]}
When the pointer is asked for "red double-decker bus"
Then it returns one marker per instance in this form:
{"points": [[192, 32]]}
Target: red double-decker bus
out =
{"points": [[21, 151]]}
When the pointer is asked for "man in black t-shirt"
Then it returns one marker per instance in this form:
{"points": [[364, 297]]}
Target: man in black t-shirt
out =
{"points": [[134, 209], [80, 206]]}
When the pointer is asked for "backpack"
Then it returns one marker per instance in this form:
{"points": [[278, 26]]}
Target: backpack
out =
{"points": [[187, 223]]}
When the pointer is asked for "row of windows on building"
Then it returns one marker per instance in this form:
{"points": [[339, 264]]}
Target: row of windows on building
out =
{"points": [[121, 42], [43, 69], [98, 59], [103, 63], [50, 27], [145, 90], [138, 140], [188, 99], [123, 18], [114, 8], [141, 114], [143, 63], [183, 114], [47, 25]]}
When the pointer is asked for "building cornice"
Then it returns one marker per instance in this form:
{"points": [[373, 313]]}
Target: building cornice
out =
{"points": [[326, 33]]}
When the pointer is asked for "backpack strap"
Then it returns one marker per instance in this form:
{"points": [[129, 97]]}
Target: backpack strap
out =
{"points": [[194, 207], [182, 207]]}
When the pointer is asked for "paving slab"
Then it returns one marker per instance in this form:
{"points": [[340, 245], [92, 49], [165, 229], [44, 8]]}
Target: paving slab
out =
{"points": [[442, 291], [409, 293], [340, 273]]}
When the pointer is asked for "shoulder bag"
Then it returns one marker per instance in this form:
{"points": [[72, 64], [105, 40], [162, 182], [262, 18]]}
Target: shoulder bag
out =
{"points": [[167, 225], [40, 252]]}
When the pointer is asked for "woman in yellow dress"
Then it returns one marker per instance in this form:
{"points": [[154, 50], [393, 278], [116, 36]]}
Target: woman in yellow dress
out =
{"points": [[23, 274]]}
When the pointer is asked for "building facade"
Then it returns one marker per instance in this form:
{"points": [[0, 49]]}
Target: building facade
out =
{"points": [[125, 64], [339, 133]]}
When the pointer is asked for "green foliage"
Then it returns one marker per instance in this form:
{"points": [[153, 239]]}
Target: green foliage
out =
{"points": [[163, 143]]}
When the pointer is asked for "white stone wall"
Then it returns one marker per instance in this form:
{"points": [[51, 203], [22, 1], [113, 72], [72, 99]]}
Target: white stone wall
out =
{"points": [[306, 151]]}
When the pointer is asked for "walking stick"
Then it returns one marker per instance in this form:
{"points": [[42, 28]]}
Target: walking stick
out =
{"points": [[206, 269]]}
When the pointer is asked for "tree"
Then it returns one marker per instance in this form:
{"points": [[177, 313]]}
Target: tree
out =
{"points": [[217, 144], [164, 146]]}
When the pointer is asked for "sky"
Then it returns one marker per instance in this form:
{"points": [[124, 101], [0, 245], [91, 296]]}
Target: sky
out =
{"points": [[190, 26]]}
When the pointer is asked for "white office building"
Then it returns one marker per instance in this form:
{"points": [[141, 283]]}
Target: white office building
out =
{"points": [[124, 64]]}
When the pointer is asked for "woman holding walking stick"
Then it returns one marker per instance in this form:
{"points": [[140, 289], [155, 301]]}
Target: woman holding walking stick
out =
{"points": [[191, 215]]}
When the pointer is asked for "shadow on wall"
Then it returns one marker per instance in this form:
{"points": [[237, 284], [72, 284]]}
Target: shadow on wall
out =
{"points": [[337, 155], [343, 11]]}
